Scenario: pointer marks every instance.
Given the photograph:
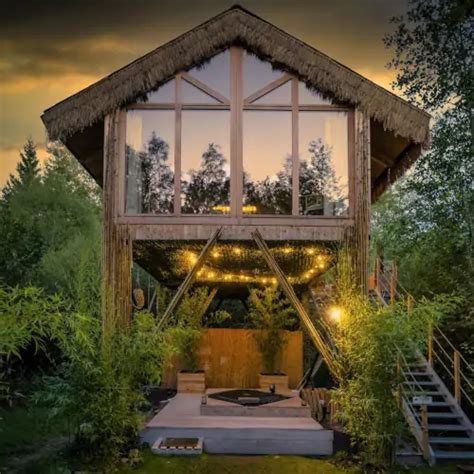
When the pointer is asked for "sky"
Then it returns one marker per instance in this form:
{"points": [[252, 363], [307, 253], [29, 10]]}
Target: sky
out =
{"points": [[50, 49]]}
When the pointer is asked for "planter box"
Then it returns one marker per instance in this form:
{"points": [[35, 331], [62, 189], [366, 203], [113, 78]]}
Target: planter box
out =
{"points": [[191, 382], [279, 380]]}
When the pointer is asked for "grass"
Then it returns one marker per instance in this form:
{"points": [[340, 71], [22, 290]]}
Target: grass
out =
{"points": [[24, 431], [219, 464]]}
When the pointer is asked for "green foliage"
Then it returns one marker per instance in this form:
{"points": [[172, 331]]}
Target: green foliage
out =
{"points": [[97, 385], [433, 52], [368, 338], [189, 321], [49, 223], [270, 313], [27, 169]]}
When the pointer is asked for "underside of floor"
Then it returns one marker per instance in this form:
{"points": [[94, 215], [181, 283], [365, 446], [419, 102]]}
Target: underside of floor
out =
{"points": [[278, 431]]}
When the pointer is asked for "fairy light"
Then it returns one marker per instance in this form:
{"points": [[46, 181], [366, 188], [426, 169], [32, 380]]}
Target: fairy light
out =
{"points": [[237, 250], [215, 254], [310, 251], [211, 275]]}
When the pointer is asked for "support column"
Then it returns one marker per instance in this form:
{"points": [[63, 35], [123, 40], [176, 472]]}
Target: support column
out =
{"points": [[359, 238], [116, 265]]}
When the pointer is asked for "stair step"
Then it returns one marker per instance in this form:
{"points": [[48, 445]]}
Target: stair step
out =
{"points": [[424, 382], [468, 455], [418, 374], [443, 415], [428, 393], [440, 427], [434, 404], [454, 440]]}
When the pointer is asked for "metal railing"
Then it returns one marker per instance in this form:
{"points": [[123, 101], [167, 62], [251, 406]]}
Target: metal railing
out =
{"points": [[441, 352]]}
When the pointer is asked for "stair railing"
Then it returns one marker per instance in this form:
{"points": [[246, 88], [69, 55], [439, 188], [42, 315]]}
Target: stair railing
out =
{"points": [[455, 367]]}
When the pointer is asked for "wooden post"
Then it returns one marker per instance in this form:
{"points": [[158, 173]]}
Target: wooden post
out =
{"points": [[399, 380], [393, 282], [116, 265], [457, 377], [409, 304], [430, 344], [377, 274], [424, 432], [359, 238]]}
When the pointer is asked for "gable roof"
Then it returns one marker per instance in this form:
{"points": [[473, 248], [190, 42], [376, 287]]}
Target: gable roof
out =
{"points": [[235, 26]]}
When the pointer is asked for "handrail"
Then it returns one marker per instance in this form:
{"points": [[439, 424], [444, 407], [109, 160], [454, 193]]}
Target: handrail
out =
{"points": [[387, 281], [469, 366]]}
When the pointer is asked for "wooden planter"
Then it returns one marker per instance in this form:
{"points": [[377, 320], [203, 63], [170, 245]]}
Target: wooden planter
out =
{"points": [[191, 382], [279, 380]]}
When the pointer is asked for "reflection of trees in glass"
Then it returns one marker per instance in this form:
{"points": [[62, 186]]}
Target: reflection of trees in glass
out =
{"points": [[209, 186], [270, 196], [150, 177], [319, 185]]}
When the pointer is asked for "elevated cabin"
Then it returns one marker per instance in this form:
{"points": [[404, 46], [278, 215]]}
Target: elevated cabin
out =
{"points": [[235, 125]]}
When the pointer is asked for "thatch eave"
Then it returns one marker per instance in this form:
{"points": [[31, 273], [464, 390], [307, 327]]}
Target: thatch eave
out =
{"points": [[235, 27]]}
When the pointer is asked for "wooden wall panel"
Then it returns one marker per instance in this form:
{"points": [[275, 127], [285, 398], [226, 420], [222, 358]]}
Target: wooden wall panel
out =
{"points": [[231, 359]]}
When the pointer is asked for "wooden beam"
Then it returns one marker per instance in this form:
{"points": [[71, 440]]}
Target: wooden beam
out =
{"points": [[204, 88], [268, 88], [314, 334], [188, 281]]}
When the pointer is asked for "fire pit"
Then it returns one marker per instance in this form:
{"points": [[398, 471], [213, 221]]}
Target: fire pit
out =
{"points": [[248, 397]]}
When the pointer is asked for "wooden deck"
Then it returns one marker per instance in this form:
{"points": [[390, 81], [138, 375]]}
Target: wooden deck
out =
{"points": [[238, 434]]}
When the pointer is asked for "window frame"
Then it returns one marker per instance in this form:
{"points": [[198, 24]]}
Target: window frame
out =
{"points": [[236, 104]]}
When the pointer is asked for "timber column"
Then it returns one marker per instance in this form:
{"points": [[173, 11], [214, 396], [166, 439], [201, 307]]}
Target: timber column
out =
{"points": [[116, 265], [359, 240]]}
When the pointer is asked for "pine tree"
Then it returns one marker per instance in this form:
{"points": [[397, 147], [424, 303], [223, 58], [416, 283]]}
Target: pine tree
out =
{"points": [[28, 169]]}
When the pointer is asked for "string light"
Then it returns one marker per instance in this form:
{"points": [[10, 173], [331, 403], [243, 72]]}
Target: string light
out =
{"points": [[310, 251], [237, 250], [215, 254], [335, 313]]}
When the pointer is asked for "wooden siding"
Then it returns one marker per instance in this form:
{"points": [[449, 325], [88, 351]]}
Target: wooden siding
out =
{"points": [[231, 359]]}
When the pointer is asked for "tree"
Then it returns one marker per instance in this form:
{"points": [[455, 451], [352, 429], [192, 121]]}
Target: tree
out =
{"points": [[426, 220], [157, 178], [433, 53], [318, 178], [28, 170], [209, 186]]}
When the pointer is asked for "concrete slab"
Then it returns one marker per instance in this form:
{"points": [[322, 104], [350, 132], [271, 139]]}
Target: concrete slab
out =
{"points": [[238, 434]]}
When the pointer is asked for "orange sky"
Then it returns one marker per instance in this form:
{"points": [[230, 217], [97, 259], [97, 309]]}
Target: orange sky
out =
{"points": [[53, 48]]}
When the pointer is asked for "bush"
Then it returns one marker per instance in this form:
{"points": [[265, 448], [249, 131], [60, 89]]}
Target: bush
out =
{"points": [[270, 314], [189, 321], [97, 386], [368, 337]]}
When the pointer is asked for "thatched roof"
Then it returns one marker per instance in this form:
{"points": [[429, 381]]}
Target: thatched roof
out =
{"points": [[235, 27]]}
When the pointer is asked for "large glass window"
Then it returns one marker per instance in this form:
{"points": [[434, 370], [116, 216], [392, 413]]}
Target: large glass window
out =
{"points": [[287, 130], [267, 161], [149, 161], [323, 180], [205, 167]]}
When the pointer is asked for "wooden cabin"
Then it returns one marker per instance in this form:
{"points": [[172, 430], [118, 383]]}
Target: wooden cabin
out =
{"points": [[231, 129]]}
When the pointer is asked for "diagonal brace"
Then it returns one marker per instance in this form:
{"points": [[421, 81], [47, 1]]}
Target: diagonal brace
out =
{"points": [[188, 281], [314, 334]]}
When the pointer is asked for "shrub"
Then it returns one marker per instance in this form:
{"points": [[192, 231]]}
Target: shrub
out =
{"points": [[367, 337], [270, 314], [98, 384], [189, 321]]}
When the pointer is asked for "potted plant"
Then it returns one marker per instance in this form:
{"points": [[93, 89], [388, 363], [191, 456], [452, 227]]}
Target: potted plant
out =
{"points": [[270, 315], [186, 335]]}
